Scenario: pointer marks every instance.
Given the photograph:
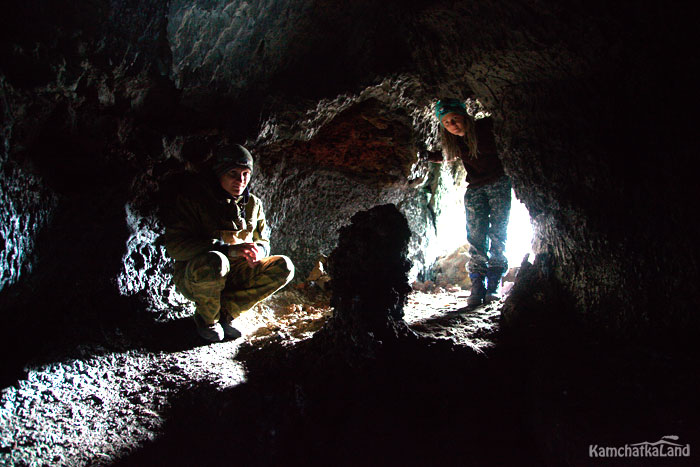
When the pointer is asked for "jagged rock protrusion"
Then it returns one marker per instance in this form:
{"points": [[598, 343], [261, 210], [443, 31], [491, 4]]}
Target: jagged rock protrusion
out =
{"points": [[369, 274]]}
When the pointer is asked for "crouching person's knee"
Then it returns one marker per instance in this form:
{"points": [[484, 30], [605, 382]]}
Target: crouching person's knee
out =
{"points": [[285, 267], [209, 267]]}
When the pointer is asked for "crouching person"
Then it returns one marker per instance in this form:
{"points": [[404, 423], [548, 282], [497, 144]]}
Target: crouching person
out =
{"points": [[215, 232]]}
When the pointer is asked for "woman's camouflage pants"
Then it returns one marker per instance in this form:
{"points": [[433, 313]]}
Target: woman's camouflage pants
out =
{"points": [[223, 288], [488, 210]]}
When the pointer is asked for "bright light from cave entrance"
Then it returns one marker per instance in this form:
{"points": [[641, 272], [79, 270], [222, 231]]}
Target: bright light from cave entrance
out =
{"points": [[519, 243], [519, 233]]}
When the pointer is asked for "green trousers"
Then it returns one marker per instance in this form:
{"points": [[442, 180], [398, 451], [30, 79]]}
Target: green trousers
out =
{"points": [[223, 288], [488, 211]]}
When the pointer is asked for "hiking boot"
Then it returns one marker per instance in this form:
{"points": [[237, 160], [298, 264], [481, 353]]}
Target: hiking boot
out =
{"points": [[229, 331], [210, 332], [478, 292], [493, 284]]}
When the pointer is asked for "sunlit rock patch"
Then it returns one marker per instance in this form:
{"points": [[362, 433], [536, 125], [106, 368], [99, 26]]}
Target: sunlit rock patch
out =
{"points": [[91, 410], [286, 318], [437, 313], [94, 404], [441, 314]]}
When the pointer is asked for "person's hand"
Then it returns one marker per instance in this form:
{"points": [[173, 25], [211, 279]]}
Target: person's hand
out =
{"points": [[249, 251]]}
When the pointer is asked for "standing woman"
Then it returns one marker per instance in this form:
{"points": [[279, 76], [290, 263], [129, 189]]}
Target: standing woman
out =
{"points": [[487, 199]]}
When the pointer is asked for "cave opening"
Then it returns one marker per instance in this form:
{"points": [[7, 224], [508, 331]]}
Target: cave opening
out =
{"points": [[520, 233]]}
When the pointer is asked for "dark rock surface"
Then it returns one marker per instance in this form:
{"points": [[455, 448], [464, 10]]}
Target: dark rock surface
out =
{"points": [[369, 271], [339, 97], [104, 102]]}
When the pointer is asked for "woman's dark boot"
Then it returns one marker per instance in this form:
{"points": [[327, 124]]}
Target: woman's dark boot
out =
{"points": [[493, 284], [478, 292]]}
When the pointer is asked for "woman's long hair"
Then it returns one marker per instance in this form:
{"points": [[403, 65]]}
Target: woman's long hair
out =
{"points": [[458, 146]]}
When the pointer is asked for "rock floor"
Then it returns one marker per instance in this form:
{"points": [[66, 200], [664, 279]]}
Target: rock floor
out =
{"points": [[97, 403]]}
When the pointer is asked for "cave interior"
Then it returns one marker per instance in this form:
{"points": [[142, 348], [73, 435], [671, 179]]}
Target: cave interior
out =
{"points": [[107, 105]]}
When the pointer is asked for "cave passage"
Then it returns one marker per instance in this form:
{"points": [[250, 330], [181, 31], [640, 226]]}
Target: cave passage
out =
{"points": [[520, 231]]}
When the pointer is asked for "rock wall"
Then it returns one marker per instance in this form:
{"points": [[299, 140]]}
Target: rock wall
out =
{"points": [[102, 102], [319, 166], [25, 208], [370, 278]]}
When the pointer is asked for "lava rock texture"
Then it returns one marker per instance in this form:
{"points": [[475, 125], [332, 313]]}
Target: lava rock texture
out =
{"points": [[102, 103], [105, 104], [369, 270]]}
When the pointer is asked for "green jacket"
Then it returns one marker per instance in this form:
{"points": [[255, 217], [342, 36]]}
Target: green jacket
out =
{"points": [[203, 217]]}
